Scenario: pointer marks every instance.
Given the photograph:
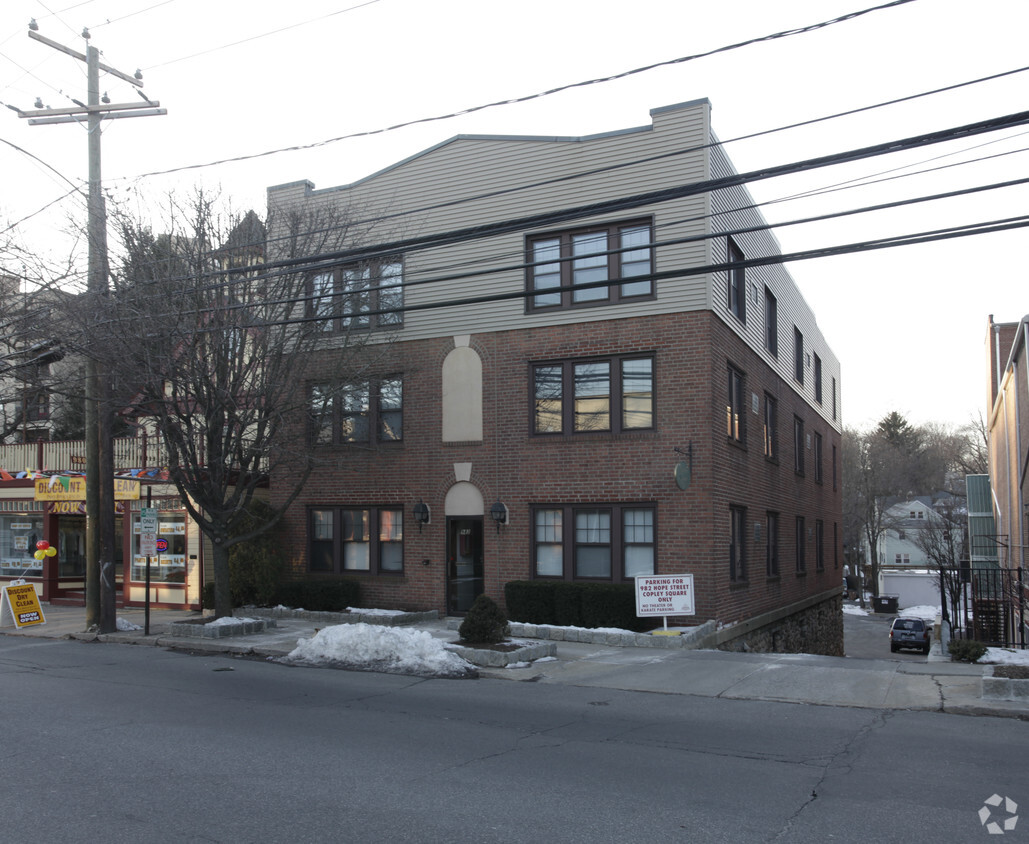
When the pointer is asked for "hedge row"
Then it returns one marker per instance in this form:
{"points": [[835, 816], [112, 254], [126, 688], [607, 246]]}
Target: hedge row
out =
{"points": [[574, 604], [316, 595]]}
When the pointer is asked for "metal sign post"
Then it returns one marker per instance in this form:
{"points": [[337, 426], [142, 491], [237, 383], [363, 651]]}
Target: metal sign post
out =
{"points": [[148, 548]]}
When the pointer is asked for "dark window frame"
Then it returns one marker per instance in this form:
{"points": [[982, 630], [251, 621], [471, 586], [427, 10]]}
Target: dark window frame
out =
{"points": [[566, 399], [817, 456], [770, 428], [798, 356], [735, 409], [798, 445], [337, 541], [772, 544], [818, 379], [375, 416], [374, 312], [771, 323], [569, 541], [736, 283], [801, 542], [562, 266], [819, 545], [737, 544]]}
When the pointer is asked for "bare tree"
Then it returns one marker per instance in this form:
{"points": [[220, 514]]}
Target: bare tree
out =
{"points": [[944, 541], [219, 347]]}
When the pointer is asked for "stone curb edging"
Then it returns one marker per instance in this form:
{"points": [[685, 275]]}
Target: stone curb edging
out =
{"points": [[344, 617], [688, 639], [486, 658], [204, 629], [1003, 688]]}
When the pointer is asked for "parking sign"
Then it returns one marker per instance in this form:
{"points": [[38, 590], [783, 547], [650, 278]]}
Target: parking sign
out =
{"points": [[148, 531]]}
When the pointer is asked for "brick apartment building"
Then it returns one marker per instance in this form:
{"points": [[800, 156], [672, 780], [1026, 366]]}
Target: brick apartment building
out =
{"points": [[573, 373]]}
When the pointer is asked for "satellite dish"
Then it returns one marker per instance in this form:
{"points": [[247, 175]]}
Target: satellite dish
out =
{"points": [[683, 475]]}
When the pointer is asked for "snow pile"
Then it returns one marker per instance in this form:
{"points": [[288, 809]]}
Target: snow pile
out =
{"points": [[853, 609], [925, 611], [125, 624], [376, 648], [228, 619], [1005, 656]]}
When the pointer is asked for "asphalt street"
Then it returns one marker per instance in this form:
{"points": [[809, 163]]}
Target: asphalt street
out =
{"points": [[121, 743]]}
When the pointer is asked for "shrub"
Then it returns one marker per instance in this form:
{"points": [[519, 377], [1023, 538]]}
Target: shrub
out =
{"points": [[574, 604], [485, 623], [320, 595], [966, 650], [530, 601]]}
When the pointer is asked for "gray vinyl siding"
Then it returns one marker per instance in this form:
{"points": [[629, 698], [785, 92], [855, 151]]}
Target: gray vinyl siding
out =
{"points": [[465, 167], [732, 210], [463, 182]]}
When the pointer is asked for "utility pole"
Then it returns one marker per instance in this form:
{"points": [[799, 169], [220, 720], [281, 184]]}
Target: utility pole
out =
{"points": [[100, 506]]}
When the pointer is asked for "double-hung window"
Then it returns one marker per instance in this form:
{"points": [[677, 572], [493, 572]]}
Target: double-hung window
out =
{"points": [[798, 445], [818, 379], [819, 545], [771, 323], [772, 545], [358, 540], [800, 543], [603, 264], [737, 544], [365, 295], [594, 542], [771, 431], [734, 411], [817, 456], [798, 355], [737, 287], [351, 412], [613, 394]]}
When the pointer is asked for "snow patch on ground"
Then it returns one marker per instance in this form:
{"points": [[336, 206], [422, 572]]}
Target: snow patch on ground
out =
{"points": [[378, 648], [1005, 656]]}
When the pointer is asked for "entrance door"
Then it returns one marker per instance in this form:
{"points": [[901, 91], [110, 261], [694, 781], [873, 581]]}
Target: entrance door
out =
{"points": [[464, 567]]}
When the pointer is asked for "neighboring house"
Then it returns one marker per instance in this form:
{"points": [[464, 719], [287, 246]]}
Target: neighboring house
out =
{"points": [[35, 504], [1007, 425], [1008, 435], [27, 357], [573, 374], [916, 527]]}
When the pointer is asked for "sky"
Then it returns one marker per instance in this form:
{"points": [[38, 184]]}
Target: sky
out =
{"points": [[262, 93]]}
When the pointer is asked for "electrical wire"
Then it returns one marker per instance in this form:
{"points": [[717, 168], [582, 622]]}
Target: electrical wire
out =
{"points": [[539, 95]]}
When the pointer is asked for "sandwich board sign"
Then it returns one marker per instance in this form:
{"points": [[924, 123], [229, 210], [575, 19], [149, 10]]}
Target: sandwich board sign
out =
{"points": [[20, 602], [664, 595]]}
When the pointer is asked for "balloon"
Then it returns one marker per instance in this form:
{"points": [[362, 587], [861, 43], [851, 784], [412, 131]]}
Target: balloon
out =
{"points": [[51, 551], [42, 545], [39, 555]]}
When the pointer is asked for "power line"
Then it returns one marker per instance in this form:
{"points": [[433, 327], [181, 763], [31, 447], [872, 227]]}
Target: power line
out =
{"points": [[539, 95], [314, 263]]}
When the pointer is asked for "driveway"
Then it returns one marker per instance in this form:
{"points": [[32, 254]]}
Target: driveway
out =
{"points": [[868, 637]]}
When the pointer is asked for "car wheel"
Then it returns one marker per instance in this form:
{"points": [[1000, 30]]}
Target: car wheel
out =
{"points": [[926, 650], [893, 648]]}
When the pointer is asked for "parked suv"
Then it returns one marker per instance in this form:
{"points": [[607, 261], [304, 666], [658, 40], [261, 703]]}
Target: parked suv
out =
{"points": [[910, 633]]}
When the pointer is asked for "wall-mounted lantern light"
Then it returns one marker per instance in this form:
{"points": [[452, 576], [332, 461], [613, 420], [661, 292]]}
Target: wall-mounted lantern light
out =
{"points": [[422, 514], [499, 513]]}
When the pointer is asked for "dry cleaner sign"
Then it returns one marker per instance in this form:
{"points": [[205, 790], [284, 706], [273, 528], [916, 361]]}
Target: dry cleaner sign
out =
{"points": [[664, 594]]}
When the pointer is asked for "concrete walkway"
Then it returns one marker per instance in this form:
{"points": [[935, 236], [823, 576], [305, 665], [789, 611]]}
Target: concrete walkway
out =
{"points": [[936, 685]]}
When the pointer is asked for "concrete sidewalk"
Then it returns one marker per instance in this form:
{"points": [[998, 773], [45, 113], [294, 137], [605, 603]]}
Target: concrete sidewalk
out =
{"points": [[935, 685]]}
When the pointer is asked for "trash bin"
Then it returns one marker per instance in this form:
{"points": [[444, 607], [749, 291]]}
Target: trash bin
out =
{"points": [[885, 603]]}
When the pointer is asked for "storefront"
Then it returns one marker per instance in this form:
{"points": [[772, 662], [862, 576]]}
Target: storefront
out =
{"points": [[39, 509]]}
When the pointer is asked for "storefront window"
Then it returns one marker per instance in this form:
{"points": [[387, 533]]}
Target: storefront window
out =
{"points": [[169, 566], [19, 534]]}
